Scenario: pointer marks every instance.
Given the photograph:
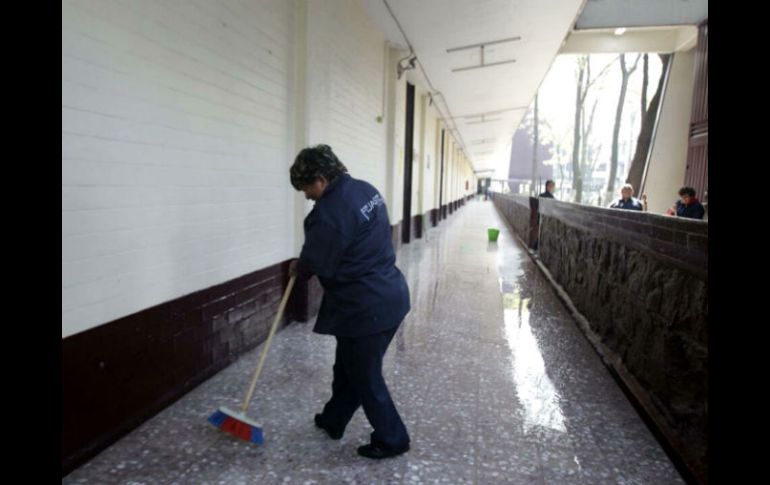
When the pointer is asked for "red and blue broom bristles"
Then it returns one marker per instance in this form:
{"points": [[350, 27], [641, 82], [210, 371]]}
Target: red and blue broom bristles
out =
{"points": [[237, 425]]}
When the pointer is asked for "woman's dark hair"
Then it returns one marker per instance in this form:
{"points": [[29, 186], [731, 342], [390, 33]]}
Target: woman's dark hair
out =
{"points": [[687, 191], [313, 163]]}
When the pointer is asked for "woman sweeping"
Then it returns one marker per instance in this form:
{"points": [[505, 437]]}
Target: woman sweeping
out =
{"points": [[348, 247]]}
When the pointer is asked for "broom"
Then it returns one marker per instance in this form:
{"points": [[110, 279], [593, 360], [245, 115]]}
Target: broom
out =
{"points": [[236, 423]]}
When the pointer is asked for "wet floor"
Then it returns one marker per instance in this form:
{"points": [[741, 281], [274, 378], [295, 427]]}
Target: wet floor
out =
{"points": [[492, 378]]}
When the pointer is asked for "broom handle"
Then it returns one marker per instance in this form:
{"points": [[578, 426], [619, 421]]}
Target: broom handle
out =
{"points": [[277, 319]]}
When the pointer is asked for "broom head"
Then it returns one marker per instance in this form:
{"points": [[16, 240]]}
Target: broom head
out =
{"points": [[237, 424]]}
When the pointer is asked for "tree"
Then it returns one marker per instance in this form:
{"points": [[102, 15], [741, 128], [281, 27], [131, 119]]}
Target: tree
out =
{"points": [[522, 150], [558, 142], [593, 157], [585, 133], [636, 171], [625, 75], [584, 83], [577, 180], [536, 142], [645, 81]]}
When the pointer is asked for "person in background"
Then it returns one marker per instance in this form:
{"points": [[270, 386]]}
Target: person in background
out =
{"points": [[627, 200], [550, 186], [687, 206]]}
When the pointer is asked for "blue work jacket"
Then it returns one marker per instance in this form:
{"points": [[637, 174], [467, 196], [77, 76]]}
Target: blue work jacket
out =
{"points": [[348, 246]]}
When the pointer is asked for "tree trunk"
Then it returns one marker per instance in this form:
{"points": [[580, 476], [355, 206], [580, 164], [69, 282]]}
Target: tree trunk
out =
{"points": [[636, 172], [585, 134], [631, 131], [626, 74], [577, 181], [583, 85], [585, 172], [535, 167], [645, 81]]}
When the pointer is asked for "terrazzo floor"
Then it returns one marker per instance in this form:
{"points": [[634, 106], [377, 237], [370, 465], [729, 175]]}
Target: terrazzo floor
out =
{"points": [[491, 376]]}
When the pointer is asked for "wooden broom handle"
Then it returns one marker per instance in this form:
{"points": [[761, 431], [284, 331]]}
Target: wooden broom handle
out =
{"points": [[277, 319]]}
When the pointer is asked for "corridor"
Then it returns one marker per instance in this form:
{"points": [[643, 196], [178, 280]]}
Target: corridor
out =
{"points": [[493, 379]]}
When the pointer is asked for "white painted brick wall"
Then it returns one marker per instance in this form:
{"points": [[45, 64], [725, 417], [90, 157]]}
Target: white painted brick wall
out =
{"points": [[430, 161], [450, 171], [437, 171], [443, 196], [396, 205], [345, 87], [451, 178], [417, 165], [174, 149], [177, 134]]}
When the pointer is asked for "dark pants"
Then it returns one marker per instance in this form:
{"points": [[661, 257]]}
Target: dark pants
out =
{"points": [[357, 382]]}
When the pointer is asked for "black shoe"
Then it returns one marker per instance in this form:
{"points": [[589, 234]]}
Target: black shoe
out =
{"points": [[377, 452], [335, 435]]}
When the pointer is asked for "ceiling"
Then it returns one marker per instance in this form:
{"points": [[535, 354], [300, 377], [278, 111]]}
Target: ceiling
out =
{"points": [[521, 39], [634, 39], [599, 14], [487, 103]]}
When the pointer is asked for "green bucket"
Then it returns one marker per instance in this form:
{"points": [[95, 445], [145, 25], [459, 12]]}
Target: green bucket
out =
{"points": [[493, 233]]}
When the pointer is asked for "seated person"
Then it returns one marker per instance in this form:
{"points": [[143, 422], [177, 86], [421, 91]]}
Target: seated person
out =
{"points": [[627, 201], [688, 206]]}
